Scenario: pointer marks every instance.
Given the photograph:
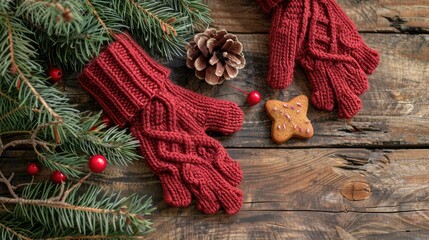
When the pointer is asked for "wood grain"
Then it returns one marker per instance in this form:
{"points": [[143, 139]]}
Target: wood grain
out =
{"points": [[279, 225], [297, 194], [412, 16], [293, 193]]}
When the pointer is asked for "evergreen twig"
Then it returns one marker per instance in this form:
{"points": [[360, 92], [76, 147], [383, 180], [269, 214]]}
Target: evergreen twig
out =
{"points": [[63, 195], [165, 26], [94, 11], [64, 201], [13, 232], [58, 200], [9, 186], [16, 69], [32, 140]]}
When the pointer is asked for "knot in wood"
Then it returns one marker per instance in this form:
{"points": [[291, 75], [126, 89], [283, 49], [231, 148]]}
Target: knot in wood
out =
{"points": [[356, 191]]}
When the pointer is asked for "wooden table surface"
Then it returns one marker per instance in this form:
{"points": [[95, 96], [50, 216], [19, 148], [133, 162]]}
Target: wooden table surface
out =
{"points": [[309, 189]]}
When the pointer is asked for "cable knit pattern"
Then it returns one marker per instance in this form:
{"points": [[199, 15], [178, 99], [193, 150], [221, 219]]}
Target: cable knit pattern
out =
{"points": [[335, 76], [170, 123], [325, 42]]}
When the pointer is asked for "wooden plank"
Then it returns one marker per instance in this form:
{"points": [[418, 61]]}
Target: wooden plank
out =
{"points": [[309, 179], [297, 194], [244, 16], [291, 193], [273, 225], [395, 109], [295, 179]]}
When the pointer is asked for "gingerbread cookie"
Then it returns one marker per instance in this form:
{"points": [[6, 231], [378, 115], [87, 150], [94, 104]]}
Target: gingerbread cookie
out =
{"points": [[289, 119]]}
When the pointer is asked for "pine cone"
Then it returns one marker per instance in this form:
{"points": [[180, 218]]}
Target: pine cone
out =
{"points": [[215, 56]]}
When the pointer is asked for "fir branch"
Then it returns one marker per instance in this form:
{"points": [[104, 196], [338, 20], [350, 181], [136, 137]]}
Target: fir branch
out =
{"points": [[11, 112], [100, 22], [94, 11], [68, 163], [156, 25], [5, 5], [64, 195], [32, 140], [9, 186], [55, 17], [63, 205], [60, 198], [37, 94], [15, 69], [24, 229], [10, 233], [198, 12], [118, 146], [108, 213], [44, 104], [165, 26], [38, 202], [4, 95]]}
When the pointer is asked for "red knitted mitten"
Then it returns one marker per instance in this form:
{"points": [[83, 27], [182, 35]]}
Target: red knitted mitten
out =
{"points": [[350, 42], [326, 43], [179, 155], [134, 90], [210, 112], [287, 35], [334, 74]]}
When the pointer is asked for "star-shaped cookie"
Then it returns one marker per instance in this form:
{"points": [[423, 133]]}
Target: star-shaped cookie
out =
{"points": [[289, 119]]}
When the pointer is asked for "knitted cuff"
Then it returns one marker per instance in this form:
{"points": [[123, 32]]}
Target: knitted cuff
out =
{"points": [[123, 78], [268, 5]]}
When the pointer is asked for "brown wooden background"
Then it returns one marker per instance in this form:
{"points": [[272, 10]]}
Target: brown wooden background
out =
{"points": [[298, 190]]}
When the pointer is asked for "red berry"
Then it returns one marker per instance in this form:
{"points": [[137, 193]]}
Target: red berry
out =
{"points": [[32, 169], [97, 163], [55, 74], [253, 98], [58, 177], [106, 120]]}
